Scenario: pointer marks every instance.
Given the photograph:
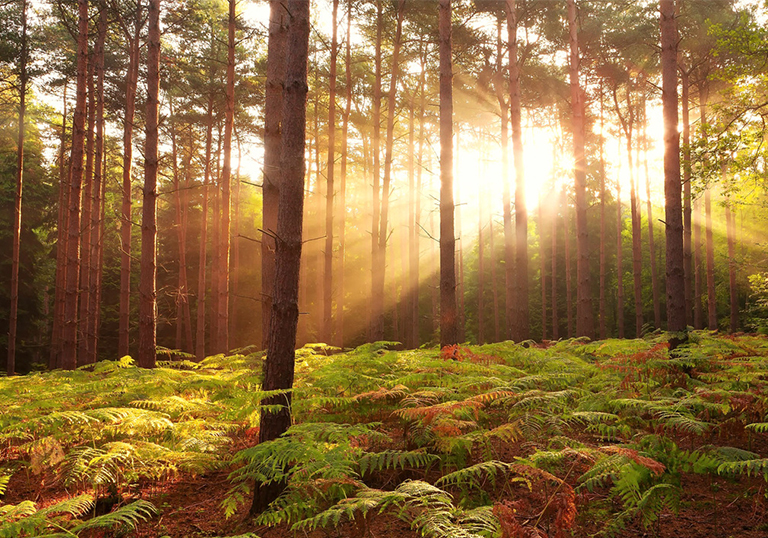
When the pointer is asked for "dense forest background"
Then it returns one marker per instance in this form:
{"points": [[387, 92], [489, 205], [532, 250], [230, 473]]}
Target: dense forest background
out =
{"points": [[372, 183]]}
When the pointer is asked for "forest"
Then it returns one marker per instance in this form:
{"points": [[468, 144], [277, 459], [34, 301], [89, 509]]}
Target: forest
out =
{"points": [[452, 268]]}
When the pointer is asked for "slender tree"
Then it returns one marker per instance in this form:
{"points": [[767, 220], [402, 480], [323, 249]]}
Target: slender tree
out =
{"points": [[69, 328], [54, 359], [521, 323], [273, 111], [96, 224], [279, 365], [376, 326], [13, 315], [132, 76], [148, 272], [672, 184], [342, 196], [584, 318], [448, 315], [222, 314]]}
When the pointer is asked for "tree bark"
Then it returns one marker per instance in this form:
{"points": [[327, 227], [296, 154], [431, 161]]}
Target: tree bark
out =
{"points": [[509, 249], [85, 224], [279, 365], [687, 197], [619, 264], [125, 218], [412, 275], [543, 268], [201, 274], [603, 255], [584, 318], [13, 314], [222, 340], [148, 272], [54, 360], [183, 315], [730, 222], [273, 108], [521, 325], [568, 272], [651, 238], [555, 320], [698, 284], [327, 326], [377, 266], [672, 184], [448, 315], [94, 279], [69, 329], [342, 197]]}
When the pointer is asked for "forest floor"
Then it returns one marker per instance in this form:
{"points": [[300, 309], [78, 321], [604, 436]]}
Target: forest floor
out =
{"points": [[569, 438]]}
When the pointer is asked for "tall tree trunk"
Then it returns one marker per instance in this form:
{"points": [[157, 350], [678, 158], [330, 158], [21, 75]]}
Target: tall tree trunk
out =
{"points": [[459, 256], [183, 316], [687, 197], [94, 279], [711, 296], [543, 268], [698, 281], [215, 243], [494, 288], [342, 197], [148, 272], [521, 324], [235, 270], [411, 277], [672, 185], [481, 255], [125, 216], [627, 124], [584, 318], [327, 326], [509, 250], [201, 276], [568, 272], [651, 239], [54, 360], [279, 366], [555, 320], [730, 222], [603, 261], [377, 264], [69, 329], [388, 156], [273, 108], [226, 189], [13, 314], [619, 263], [85, 227], [420, 188], [448, 316]]}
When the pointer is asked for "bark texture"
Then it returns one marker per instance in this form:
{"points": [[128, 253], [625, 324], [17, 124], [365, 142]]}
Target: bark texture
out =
{"points": [[148, 272], [672, 186], [448, 315], [279, 364]]}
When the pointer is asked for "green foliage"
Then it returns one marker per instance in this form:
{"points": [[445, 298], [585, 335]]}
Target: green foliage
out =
{"points": [[61, 520], [449, 446]]}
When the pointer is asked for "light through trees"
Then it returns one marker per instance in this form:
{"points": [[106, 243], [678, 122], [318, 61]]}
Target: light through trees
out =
{"points": [[553, 145]]}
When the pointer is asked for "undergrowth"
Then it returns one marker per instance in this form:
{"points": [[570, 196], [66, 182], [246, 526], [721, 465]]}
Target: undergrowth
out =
{"points": [[500, 440]]}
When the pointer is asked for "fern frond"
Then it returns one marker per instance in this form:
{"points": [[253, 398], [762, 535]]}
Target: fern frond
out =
{"points": [[128, 516], [749, 467], [475, 475], [392, 459]]}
